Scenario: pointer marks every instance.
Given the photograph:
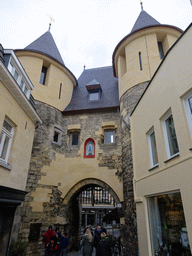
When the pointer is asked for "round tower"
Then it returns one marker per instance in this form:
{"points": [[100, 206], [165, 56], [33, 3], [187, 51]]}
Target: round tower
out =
{"points": [[53, 81], [135, 60], [137, 55]]}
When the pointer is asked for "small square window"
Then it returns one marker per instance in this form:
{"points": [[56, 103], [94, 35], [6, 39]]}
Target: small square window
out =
{"points": [[57, 135], [74, 139], [94, 96], [109, 136], [152, 148], [170, 135], [6, 136]]}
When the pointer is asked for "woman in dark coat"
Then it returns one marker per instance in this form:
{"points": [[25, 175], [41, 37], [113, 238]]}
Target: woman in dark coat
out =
{"points": [[87, 243], [104, 246]]}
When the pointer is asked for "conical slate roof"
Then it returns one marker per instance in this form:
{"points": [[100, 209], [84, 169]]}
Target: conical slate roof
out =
{"points": [[144, 20], [45, 44]]}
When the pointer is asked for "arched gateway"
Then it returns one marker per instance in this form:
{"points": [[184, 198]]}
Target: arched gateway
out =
{"points": [[73, 206]]}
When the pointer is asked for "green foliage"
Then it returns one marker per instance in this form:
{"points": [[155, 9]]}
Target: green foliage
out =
{"points": [[18, 248]]}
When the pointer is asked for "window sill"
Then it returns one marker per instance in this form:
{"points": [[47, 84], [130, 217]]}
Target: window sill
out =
{"points": [[56, 143], [172, 157], [6, 166], [154, 167]]}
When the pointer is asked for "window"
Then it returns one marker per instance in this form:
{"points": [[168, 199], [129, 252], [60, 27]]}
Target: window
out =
{"points": [[140, 61], [167, 225], [89, 148], [109, 136], [152, 148], [57, 135], [16, 75], [188, 109], [94, 96], [6, 136], [170, 135], [74, 139], [161, 53], [43, 75]]}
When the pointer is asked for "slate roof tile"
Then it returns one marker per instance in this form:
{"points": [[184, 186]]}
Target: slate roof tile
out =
{"points": [[144, 20], [45, 44], [109, 94]]}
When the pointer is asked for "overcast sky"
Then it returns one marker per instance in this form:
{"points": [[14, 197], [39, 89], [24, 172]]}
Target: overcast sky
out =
{"points": [[86, 32]]}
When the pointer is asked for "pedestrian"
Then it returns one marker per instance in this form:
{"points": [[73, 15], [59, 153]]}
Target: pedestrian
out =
{"points": [[53, 247], [87, 243], [46, 238], [103, 247], [97, 236], [64, 242]]}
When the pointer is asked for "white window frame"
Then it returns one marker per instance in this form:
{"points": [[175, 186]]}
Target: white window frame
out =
{"points": [[151, 149], [8, 134], [188, 111], [166, 135], [12, 67]]}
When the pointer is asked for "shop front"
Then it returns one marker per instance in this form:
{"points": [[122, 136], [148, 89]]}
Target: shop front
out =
{"points": [[167, 225]]}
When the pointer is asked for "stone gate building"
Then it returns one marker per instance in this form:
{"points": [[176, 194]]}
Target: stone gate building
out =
{"points": [[85, 139]]}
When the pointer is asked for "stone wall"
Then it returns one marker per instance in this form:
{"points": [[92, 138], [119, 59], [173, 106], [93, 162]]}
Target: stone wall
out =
{"points": [[129, 230], [44, 154]]}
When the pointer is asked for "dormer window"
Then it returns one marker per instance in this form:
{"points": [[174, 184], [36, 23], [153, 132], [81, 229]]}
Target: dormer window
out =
{"points": [[94, 90], [94, 96]]}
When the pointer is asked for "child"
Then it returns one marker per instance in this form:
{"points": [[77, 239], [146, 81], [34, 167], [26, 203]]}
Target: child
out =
{"points": [[53, 248]]}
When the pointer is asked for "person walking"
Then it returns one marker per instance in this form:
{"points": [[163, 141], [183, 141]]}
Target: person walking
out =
{"points": [[97, 236], [103, 247], [64, 242], [46, 238], [87, 243]]}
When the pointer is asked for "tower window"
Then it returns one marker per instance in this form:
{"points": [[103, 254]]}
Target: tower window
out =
{"points": [[43, 75], [140, 61], [161, 53]]}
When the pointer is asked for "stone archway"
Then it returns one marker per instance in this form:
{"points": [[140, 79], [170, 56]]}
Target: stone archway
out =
{"points": [[81, 184], [71, 205]]}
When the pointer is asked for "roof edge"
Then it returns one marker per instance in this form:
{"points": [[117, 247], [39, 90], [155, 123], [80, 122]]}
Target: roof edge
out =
{"points": [[134, 32], [39, 52], [76, 111]]}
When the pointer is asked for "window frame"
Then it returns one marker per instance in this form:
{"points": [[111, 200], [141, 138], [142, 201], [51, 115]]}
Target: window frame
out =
{"points": [[71, 138], [12, 67], [8, 134], [188, 111], [166, 137], [105, 136], [98, 93], [59, 131], [151, 154], [43, 77]]}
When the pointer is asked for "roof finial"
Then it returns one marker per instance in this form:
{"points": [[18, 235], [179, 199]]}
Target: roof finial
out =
{"points": [[141, 3], [51, 20], [84, 67]]}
